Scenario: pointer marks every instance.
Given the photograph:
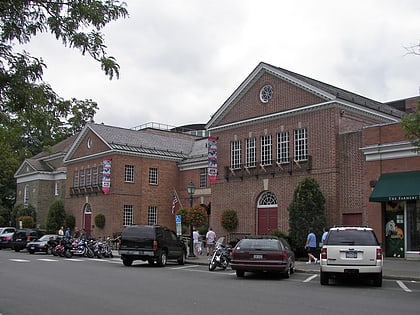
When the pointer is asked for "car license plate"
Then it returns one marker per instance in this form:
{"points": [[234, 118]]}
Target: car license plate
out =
{"points": [[258, 256], [351, 254], [32, 247]]}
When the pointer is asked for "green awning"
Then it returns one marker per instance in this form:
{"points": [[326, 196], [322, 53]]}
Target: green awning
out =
{"points": [[397, 187]]}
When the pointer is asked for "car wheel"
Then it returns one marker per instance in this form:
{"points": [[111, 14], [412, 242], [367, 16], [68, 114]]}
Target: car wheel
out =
{"points": [[240, 273], [162, 259], [286, 274], [127, 261], [17, 249], [31, 251], [377, 281], [324, 279], [151, 261], [181, 259]]}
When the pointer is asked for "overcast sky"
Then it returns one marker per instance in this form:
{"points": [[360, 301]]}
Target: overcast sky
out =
{"points": [[180, 60]]}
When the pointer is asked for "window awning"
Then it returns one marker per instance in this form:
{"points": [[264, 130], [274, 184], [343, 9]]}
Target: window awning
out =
{"points": [[397, 187]]}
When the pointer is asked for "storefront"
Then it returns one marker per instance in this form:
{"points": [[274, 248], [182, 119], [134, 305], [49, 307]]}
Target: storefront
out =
{"points": [[399, 194]]}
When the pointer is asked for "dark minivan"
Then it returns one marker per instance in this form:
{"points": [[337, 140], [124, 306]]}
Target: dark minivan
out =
{"points": [[24, 236], [151, 243]]}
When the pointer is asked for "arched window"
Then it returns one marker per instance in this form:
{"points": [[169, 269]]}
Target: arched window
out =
{"points": [[267, 199], [87, 208]]}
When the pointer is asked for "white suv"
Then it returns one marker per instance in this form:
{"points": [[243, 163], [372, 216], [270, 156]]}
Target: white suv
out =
{"points": [[353, 252]]}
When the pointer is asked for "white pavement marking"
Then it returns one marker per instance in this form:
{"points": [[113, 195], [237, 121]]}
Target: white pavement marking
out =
{"points": [[403, 286], [20, 260], [75, 259], [46, 259], [185, 267], [310, 278]]}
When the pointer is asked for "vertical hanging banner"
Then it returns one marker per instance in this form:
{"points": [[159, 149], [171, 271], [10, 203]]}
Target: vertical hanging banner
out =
{"points": [[212, 159], [106, 175]]}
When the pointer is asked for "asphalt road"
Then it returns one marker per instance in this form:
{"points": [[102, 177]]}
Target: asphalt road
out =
{"points": [[40, 284]]}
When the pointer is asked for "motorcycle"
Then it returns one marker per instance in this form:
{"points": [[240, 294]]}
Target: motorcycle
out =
{"points": [[82, 248], [221, 256]]}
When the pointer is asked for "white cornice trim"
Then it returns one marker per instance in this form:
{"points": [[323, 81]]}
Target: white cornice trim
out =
{"points": [[389, 151], [41, 176]]}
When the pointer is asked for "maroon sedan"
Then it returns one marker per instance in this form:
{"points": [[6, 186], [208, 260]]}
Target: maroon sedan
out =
{"points": [[263, 254]]}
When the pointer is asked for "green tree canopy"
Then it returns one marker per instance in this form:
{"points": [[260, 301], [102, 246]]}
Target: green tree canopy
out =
{"points": [[411, 126], [307, 211], [56, 216]]}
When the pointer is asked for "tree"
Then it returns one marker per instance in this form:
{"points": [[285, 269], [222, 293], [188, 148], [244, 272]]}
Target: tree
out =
{"points": [[32, 116], [56, 216], [411, 126], [307, 211], [22, 211]]}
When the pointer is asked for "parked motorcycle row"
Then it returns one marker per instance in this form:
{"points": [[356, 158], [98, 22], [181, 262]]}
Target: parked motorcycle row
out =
{"points": [[221, 255], [67, 247]]}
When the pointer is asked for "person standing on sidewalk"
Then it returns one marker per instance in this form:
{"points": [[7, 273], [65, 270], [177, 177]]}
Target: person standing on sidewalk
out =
{"points": [[197, 243], [310, 246], [210, 240]]}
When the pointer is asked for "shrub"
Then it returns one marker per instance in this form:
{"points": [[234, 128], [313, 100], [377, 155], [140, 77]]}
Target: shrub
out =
{"points": [[27, 221], [229, 220], [100, 220], [196, 216]]}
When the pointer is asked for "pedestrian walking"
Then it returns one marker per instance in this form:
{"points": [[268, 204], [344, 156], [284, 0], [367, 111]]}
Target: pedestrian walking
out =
{"points": [[210, 241], [310, 246]]}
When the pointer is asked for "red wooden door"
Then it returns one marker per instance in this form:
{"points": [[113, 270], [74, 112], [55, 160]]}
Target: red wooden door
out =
{"points": [[267, 220]]}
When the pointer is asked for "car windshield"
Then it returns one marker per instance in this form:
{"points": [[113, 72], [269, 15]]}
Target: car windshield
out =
{"points": [[352, 237], [45, 238], [258, 244]]}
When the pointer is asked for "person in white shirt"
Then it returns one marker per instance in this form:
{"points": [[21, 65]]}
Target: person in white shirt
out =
{"points": [[210, 241], [197, 242]]}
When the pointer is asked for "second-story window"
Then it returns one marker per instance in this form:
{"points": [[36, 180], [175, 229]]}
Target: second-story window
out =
{"points": [[95, 176], [266, 150], [129, 174], [88, 177], [301, 144], [153, 176], [26, 195], [203, 177], [76, 179], [235, 154], [82, 178], [283, 147], [251, 152]]}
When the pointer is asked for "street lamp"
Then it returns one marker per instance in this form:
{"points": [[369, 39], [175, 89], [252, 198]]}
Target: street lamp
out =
{"points": [[191, 191]]}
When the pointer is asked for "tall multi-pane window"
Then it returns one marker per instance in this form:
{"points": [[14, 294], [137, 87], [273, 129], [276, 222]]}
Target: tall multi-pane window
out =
{"points": [[128, 215], [235, 154], [76, 179], [203, 177], [95, 176], [251, 152], [152, 215], [153, 176], [301, 144], [283, 147], [266, 150], [26, 195], [56, 190], [82, 178], [88, 177], [129, 174]]}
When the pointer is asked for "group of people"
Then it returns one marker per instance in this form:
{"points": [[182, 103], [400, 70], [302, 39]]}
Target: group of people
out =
{"points": [[67, 233], [210, 242], [310, 245]]}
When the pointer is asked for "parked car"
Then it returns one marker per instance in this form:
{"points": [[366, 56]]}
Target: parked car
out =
{"points": [[22, 236], [263, 254], [351, 252], [6, 234], [41, 245], [151, 243]]}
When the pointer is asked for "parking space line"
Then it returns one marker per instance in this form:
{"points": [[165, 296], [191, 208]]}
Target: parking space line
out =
{"points": [[403, 286], [310, 278], [185, 267], [47, 259], [20, 260]]}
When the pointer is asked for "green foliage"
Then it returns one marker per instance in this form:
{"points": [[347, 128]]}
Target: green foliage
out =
{"points": [[307, 211], [411, 126], [56, 216], [279, 233], [27, 221], [22, 211], [196, 216], [100, 220], [70, 221], [229, 220]]}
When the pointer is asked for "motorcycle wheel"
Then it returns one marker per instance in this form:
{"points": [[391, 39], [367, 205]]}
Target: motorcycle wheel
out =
{"points": [[68, 254], [90, 254], [212, 264]]}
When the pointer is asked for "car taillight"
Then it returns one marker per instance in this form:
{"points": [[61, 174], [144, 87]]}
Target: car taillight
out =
{"points": [[7, 238], [379, 254], [155, 245], [28, 238], [323, 253]]}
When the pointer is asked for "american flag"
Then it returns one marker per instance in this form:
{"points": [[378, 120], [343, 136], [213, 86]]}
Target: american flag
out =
{"points": [[174, 201]]}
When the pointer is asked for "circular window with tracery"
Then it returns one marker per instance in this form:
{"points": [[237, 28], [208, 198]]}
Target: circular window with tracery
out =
{"points": [[266, 93]]}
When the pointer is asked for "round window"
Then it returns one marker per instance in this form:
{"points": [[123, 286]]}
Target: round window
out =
{"points": [[266, 93]]}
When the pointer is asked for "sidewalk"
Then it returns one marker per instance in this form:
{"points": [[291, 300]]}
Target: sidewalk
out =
{"points": [[394, 268]]}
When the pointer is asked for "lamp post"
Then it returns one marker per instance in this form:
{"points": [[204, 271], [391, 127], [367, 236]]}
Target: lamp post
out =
{"points": [[191, 191]]}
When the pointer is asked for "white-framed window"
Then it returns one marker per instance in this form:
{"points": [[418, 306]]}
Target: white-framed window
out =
{"points": [[250, 152], [95, 177], [235, 154], [129, 174], [153, 176], [266, 150], [82, 178], [301, 144], [26, 195], [152, 215], [88, 177], [128, 215], [283, 147], [76, 179], [56, 189], [203, 177]]}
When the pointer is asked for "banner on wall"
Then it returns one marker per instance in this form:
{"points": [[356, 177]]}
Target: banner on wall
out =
{"points": [[106, 175], [212, 159]]}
